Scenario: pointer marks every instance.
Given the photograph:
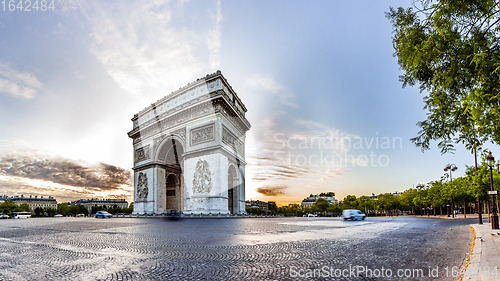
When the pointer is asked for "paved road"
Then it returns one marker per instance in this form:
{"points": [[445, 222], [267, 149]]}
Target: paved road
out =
{"points": [[232, 249]]}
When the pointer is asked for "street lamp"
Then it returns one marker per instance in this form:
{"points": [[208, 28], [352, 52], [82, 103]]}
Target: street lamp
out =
{"points": [[479, 214], [452, 168], [494, 216]]}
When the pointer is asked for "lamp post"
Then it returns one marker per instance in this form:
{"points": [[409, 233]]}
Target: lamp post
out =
{"points": [[420, 188], [494, 216], [452, 168], [479, 213]]}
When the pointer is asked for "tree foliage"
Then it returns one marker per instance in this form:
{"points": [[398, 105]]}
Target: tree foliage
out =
{"points": [[450, 49], [320, 205]]}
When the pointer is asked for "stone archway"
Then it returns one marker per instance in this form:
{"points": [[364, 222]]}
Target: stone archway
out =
{"points": [[170, 160], [194, 134], [232, 190], [172, 187]]}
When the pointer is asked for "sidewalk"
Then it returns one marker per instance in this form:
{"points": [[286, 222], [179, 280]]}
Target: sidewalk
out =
{"points": [[484, 263]]}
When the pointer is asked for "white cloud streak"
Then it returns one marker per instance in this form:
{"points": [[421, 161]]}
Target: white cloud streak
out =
{"points": [[270, 85], [18, 84], [214, 39], [145, 47], [287, 158]]}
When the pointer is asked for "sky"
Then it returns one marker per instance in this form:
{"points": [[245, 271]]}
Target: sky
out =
{"points": [[319, 80]]}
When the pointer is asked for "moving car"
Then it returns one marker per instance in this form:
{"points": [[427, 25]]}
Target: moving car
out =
{"points": [[58, 216], [4, 216], [353, 215], [103, 214]]}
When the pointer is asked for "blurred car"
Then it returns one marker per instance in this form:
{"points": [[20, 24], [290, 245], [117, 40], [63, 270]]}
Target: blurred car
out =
{"points": [[312, 215], [353, 215], [58, 216], [80, 215], [4, 216], [103, 214]]}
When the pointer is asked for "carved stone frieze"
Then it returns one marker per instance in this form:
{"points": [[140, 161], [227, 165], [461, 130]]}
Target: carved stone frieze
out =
{"points": [[214, 106], [202, 181], [180, 133], [142, 186], [231, 140], [142, 153], [202, 134]]}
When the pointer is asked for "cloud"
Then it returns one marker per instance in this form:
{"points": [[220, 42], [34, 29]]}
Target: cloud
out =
{"points": [[268, 84], [18, 84], [214, 39], [272, 190], [150, 45], [28, 171], [292, 153], [65, 171]]}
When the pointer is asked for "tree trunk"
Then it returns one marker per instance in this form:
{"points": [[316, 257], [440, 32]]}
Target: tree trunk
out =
{"points": [[465, 209], [452, 208], [488, 206]]}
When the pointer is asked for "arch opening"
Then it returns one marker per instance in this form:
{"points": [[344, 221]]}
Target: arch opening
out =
{"points": [[171, 158], [232, 190]]}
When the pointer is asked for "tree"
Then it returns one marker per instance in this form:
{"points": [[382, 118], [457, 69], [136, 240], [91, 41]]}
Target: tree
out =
{"points": [[450, 49], [50, 212], [24, 207], [96, 209], [7, 207], [320, 205], [130, 208], [406, 199], [327, 194], [63, 209], [334, 209], [366, 204], [387, 202], [78, 209], [272, 207], [350, 202], [38, 211]]}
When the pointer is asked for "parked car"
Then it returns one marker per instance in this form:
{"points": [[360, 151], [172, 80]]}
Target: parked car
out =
{"points": [[80, 215], [103, 214], [4, 216], [353, 215], [312, 215], [58, 216]]}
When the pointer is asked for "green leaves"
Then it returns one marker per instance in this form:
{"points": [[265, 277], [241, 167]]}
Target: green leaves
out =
{"points": [[450, 49]]}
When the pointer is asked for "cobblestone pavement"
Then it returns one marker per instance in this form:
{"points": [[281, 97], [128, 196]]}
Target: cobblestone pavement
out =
{"points": [[231, 249]]}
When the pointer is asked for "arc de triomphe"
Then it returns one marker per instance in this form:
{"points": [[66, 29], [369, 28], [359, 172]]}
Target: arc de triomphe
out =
{"points": [[189, 151]]}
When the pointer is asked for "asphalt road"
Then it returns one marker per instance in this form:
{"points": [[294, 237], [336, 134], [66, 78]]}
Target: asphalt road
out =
{"points": [[400, 248]]}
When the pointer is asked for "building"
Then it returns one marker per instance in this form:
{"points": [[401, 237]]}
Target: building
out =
{"points": [[257, 204], [189, 151], [307, 202], [107, 203], [32, 201]]}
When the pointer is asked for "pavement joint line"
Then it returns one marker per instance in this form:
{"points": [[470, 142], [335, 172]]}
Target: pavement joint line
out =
{"points": [[469, 259], [472, 270]]}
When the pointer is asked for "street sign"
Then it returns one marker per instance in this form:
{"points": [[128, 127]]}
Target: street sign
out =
{"points": [[494, 192]]}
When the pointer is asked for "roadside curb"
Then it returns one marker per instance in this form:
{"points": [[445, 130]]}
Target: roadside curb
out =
{"points": [[472, 271]]}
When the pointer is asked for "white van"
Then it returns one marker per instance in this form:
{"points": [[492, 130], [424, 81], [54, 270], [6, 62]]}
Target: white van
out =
{"points": [[353, 215]]}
